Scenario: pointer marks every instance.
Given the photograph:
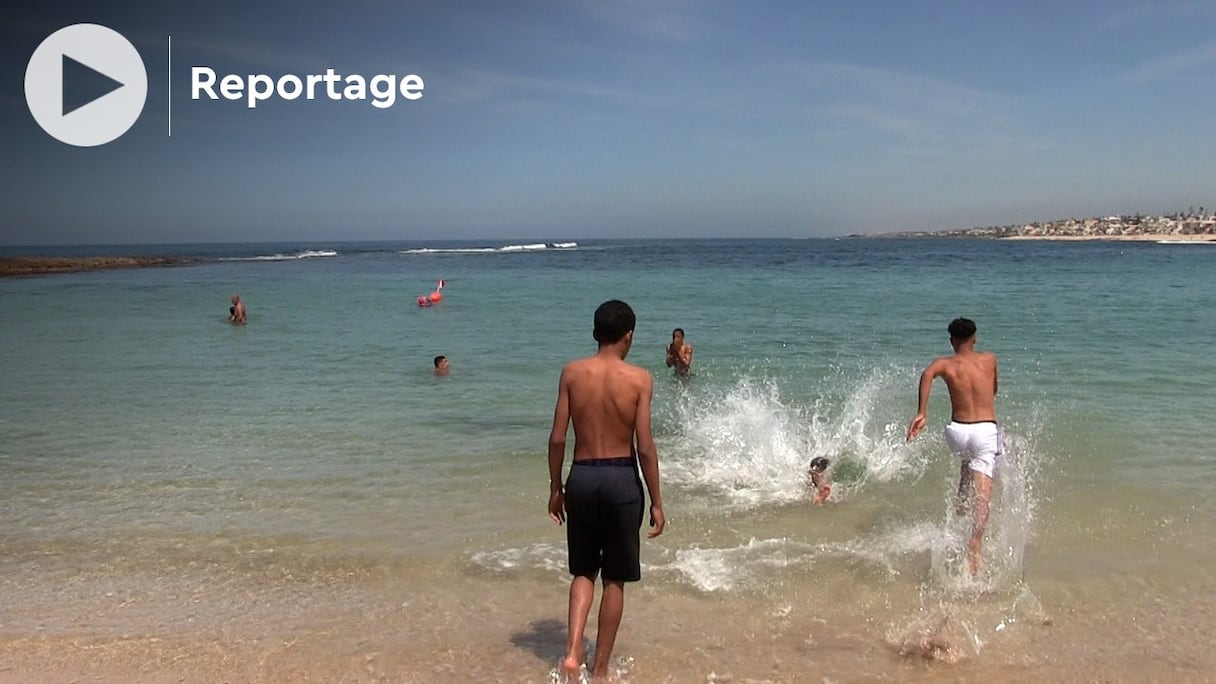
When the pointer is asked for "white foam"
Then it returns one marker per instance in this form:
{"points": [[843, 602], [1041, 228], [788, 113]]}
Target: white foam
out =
{"points": [[306, 254], [718, 569], [460, 250], [887, 547], [537, 556], [504, 249]]}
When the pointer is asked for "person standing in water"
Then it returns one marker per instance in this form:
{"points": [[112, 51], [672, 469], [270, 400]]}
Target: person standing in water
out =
{"points": [[679, 353], [608, 400], [236, 312], [972, 434]]}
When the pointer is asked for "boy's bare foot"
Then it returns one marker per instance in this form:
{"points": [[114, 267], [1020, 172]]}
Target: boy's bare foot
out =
{"points": [[572, 669]]}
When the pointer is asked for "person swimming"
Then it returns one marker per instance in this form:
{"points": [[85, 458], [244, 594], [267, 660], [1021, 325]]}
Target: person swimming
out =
{"points": [[819, 480], [434, 297]]}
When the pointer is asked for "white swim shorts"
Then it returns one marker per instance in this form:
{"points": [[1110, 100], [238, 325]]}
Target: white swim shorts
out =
{"points": [[979, 445]]}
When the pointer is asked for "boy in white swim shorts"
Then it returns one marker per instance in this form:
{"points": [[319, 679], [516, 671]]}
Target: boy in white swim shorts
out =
{"points": [[972, 434], [979, 445]]}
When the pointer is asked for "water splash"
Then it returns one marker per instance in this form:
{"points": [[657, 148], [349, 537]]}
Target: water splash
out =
{"points": [[865, 434], [716, 569], [619, 672], [959, 613], [1014, 505], [886, 548], [747, 445]]}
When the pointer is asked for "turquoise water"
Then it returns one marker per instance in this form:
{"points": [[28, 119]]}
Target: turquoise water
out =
{"points": [[146, 443]]}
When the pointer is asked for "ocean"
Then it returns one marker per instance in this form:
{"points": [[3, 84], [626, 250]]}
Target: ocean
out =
{"points": [[302, 499]]}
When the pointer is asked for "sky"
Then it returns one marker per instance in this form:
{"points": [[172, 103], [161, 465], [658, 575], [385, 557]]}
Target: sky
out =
{"points": [[569, 119]]}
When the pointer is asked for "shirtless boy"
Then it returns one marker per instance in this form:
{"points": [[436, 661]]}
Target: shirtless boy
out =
{"points": [[236, 312], [608, 401], [972, 434]]}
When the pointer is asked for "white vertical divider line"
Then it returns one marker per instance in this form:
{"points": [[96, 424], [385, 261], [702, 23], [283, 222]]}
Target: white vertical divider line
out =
{"points": [[170, 84]]}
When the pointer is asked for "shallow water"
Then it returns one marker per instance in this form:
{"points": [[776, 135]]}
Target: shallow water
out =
{"points": [[302, 495]]}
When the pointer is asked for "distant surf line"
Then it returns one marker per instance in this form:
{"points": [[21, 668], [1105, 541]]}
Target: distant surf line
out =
{"points": [[504, 249], [305, 254]]}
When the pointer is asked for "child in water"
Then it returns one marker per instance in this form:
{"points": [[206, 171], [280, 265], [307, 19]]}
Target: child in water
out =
{"points": [[819, 480]]}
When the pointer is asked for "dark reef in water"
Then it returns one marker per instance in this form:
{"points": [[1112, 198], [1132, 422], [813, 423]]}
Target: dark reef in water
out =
{"points": [[28, 266]]}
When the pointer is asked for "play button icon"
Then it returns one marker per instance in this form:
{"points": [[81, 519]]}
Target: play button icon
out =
{"points": [[85, 85], [97, 83]]}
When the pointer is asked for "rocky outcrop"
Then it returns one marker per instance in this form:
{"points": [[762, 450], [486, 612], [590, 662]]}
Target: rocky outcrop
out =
{"points": [[25, 266]]}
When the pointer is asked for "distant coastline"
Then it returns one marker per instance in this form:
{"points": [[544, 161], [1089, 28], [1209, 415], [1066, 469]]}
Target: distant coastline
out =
{"points": [[32, 266], [1189, 227]]}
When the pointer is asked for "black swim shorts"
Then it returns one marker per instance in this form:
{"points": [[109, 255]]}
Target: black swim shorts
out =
{"points": [[604, 506]]}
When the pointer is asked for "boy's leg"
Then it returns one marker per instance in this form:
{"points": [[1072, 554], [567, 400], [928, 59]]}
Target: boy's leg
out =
{"points": [[612, 605], [982, 496], [964, 489], [582, 593]]}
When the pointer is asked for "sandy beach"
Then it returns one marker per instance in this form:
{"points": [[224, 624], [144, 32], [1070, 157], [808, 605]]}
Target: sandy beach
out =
{"points": [[27, 266]]}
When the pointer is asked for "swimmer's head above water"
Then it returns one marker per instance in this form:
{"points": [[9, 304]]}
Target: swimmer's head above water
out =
{"points": [[819, 464]]}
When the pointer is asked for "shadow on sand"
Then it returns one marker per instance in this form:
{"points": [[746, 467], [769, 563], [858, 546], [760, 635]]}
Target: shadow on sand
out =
{"points": [[546, 639]]}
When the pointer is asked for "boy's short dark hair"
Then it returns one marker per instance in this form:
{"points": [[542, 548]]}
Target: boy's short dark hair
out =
{"points": [[438, 359], [819, 464], [961, 329], [613, 319]]}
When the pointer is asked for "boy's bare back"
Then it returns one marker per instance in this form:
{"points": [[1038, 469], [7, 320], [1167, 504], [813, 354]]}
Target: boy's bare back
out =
{"points": [[971, 379], [609, 403]]}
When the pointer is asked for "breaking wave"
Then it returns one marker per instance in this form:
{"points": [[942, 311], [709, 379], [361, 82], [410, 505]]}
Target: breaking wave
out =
{"points": [[305, 254], [503, 249]]}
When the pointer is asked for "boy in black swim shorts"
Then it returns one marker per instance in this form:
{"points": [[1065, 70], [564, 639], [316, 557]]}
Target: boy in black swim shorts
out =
{"points": [[604, 502], [608, 402]]}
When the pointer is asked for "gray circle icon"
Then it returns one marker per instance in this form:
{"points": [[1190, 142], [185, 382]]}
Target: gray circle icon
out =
{"points": [[85, 85]]}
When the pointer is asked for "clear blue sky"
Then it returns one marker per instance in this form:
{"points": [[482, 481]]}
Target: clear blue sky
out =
{"points": [[570, 119]]}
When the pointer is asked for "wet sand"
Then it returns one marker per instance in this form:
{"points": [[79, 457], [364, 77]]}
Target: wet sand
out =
{"points": [[526, 645], [451, 622], [28, 266]]}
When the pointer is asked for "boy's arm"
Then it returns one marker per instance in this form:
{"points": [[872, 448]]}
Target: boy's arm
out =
{"points": [[557, 450], [648, 454], [926, 386], [922, 398]]}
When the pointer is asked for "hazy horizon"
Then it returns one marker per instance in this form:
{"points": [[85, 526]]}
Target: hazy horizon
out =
{"points": [[624, 120]]}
